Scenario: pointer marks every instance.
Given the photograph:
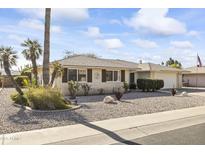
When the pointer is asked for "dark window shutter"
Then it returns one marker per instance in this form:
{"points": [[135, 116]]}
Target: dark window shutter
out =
{"points": [[122, 75], [89, 75], [65, 75], [103, 75], [132, 77]]}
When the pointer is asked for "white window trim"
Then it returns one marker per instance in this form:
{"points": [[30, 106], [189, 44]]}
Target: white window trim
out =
{"points": [[118, 76], [77, 74]]}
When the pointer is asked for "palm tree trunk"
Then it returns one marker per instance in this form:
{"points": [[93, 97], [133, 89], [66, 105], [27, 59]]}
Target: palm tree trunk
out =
{"points": [[46, 47], [8, 72], [35, 72]]}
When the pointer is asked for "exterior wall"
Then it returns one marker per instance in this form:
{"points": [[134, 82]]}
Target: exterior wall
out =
{"points": [[96, 84], [5, 80], [179, 80], [194, 80], [108, 87], [143, 75]]}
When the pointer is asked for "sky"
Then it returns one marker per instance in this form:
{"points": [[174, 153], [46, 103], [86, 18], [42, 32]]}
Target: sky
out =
{"points": [[150, 35]]}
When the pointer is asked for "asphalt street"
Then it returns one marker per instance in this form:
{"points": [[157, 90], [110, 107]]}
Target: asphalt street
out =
{"points": [[193, 135]]}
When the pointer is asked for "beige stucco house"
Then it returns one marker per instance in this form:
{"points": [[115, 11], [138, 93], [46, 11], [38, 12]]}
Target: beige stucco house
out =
{"points": [[109, 74], [194, 77]]}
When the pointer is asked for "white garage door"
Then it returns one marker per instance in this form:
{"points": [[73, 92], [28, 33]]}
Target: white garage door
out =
{"points": [[170, 79]]}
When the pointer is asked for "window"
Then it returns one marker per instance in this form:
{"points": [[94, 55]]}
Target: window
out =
{"points": [[77, 75], [112, 76], [81, 75], [72, 74], [109, 75], [115, 75]]}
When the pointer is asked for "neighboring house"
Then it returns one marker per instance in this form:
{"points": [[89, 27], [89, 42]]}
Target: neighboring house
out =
{"points": [[194, 77], [5, 79], [109, 74]]}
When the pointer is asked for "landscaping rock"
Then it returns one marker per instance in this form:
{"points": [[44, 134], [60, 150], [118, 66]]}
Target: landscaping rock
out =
{"points": [[109, 100], [184, 93]]}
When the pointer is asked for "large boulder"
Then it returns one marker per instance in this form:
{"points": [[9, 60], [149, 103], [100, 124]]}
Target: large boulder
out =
{"points": [[109, 100]]}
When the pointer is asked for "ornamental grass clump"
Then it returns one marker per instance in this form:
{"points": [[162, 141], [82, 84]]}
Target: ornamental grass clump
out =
{"points": [[42, 99]]}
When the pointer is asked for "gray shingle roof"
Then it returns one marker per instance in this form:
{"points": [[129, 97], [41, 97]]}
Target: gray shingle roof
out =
{"points": [[81, 60], [195, 70], [156, 67]]}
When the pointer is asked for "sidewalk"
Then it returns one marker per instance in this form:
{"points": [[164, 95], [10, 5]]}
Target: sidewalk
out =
{"points": [[56, 134]]}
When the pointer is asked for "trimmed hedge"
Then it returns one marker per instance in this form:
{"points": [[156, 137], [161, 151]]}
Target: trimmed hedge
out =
{"points": [[22, 81], [132, 86], [149, 84]]}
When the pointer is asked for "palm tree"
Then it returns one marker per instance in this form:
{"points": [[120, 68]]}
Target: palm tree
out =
{"points": [[46, 54], [32, 53], [7, 60], [57, 71]]}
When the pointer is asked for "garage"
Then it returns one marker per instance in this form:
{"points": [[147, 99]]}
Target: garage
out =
{"points": [[194, 77], [170, 79]]}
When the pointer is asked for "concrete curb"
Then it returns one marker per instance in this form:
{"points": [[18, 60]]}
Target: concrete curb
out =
{"points": [[45, 111], [56, 134]]}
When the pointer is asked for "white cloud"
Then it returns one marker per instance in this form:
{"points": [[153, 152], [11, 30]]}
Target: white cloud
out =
{"points": [[181, 44], [37, 24], [113, 43], [58, 14], [71, 13], [145, 43], [156, 21], [193, 33], [93, 32]]}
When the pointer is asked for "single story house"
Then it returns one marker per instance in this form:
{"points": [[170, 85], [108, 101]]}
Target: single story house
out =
{"points": [[109, 74], [5, 80], [194, 77]]}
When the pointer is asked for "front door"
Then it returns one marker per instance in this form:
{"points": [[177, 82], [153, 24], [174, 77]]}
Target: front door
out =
{"points": [[132, 77]]}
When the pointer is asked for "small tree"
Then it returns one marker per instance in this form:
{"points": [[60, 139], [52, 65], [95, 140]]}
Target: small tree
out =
{"points": [[126, 86], [73, 88], [32, 52], [173, 63], [86, 88], [57, 71], [118, 94]]}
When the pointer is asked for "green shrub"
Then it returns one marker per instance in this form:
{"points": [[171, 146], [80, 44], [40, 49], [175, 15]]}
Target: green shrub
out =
{"points": [[101, 91], [19, 99], [73, 88], [149, 84], [160, 84], [132, 86], [46, 99], [118, 94], [22, 81], [41, 99], [126, 86], [86, 88]]}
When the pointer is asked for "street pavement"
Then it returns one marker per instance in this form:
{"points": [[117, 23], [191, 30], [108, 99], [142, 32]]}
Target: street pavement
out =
{"points": [[193, 135], [182, 131]]}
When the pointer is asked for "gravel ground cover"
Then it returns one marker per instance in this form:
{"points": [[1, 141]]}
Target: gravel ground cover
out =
{"points": [[13, 119]]}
